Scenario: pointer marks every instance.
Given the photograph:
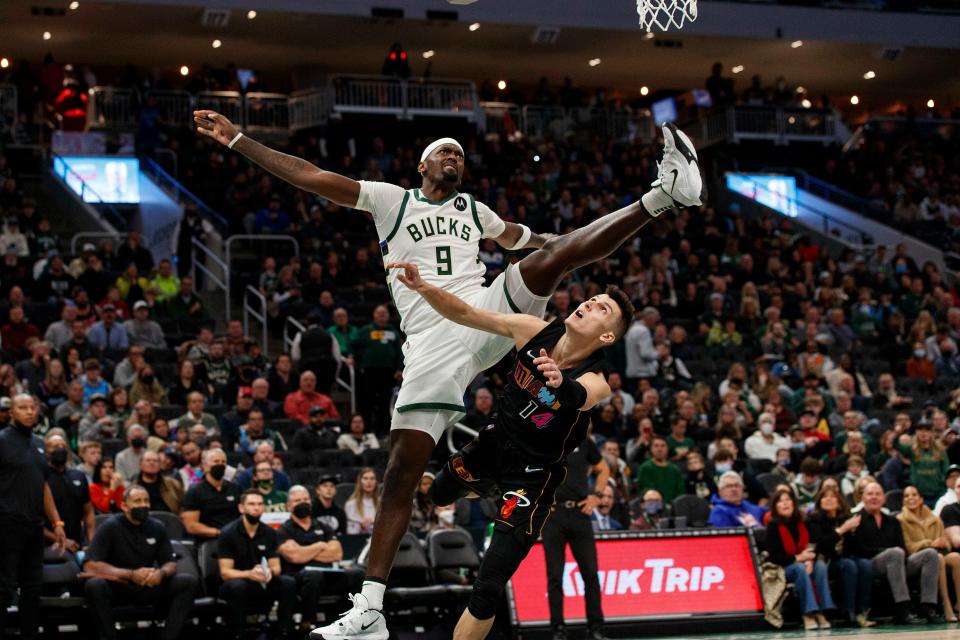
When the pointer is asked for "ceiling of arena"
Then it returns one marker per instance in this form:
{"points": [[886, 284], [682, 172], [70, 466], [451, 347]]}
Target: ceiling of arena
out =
{"points": [[165, 37]]}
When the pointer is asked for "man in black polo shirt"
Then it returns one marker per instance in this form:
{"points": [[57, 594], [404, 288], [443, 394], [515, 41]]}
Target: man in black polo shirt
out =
{"points": [[212, 504], [325, 509], [71, 494], [308, 547], [25, 499], [130, 561], [570, 524], [250, 568]]}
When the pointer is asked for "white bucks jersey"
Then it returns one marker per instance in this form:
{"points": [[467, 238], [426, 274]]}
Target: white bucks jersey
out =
{"points": [[442, 238]]}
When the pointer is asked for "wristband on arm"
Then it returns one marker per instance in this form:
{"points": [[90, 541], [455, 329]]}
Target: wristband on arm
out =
{"points": [[235, 139], [570, 388], [524, 238]]}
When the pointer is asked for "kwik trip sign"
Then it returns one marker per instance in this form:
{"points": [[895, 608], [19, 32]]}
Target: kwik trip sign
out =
{"points": [[648, 576]]}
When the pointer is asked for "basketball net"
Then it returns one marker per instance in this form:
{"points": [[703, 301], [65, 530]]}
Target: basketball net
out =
{"points": [[666, 14]]}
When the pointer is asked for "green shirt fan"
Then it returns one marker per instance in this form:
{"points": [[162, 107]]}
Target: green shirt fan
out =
{"points": [[666, 14]]}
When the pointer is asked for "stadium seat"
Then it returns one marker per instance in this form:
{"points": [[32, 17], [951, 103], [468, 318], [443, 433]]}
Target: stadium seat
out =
{"points": [[169, 411], [410, 578], [376, 458], [284, 427], [695, 510], [769, 482], [101, 518], [62, 600], [452, 549], [344, 489], [172, 523], [113, 446], [894, 500], [334, 458]]}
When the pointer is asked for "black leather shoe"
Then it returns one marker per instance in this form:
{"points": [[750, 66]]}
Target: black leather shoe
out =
{"points": [[560, 633], [596, 634], [909, 620]]}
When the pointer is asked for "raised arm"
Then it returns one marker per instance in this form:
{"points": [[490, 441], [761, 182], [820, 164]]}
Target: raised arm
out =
{"points": [[513, 233], [297, 171], [519, 326]]}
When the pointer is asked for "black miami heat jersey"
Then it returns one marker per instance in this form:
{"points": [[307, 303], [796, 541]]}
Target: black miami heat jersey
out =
{"points": [[543, 423]]}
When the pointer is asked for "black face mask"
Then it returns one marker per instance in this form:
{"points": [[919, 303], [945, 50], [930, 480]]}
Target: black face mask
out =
{"points": [[139, 514], [148, 379], [217, 471], [137, 443], [302, 510], [59, 457], [251, 519]]}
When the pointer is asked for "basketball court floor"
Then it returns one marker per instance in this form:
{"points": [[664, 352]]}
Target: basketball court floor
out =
{"points": [[942, 632]]}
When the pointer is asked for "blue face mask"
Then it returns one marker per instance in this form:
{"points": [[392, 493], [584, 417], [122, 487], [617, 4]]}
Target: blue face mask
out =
{"points": [[901, 269], [799, 445], [724, 467], [652, 508]]}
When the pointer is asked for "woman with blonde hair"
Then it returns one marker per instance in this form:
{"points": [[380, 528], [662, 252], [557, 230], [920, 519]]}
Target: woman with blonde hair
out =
{"points": [[923, 530], [928, 464], [362, 505]]}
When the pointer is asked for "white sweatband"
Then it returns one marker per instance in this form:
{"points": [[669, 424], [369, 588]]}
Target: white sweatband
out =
{"points": [[234, 141], [436, 143], [524, 238]]}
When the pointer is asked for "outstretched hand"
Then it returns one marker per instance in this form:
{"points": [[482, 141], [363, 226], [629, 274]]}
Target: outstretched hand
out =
{"points": [[549, 368], [214, 125], [410, 276]]}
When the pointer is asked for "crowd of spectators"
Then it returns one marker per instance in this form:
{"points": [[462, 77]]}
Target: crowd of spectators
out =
{"points": [[756, 358]]}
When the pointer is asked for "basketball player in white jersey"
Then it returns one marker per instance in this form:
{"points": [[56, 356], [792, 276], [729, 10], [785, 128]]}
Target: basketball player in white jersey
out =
{"points": [[439, 229]]}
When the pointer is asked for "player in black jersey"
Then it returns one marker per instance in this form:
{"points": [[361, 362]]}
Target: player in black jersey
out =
{"points": [[557, 378]]}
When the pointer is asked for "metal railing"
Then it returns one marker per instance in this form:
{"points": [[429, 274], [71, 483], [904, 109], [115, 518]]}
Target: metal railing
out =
{"points": [[8, 98], [310, 108], [110, 107], [94, 235], [779, 125], [442, 97], [500, 117], [540, 122], [199, 254], [107, 212], [181, 194], [175, 106], [266, 112], [350, 387], [260, 316], [228, 256]]}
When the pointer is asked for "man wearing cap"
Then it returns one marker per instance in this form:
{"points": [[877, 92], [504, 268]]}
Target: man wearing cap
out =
{"points": [[317, 435], [325, 508], [440, 229], [950, 495], [108, 334], [142, 330], [96, 424]]}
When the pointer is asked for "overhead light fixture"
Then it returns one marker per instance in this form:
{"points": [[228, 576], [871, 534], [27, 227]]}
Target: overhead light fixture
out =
{"points": [[737, 69], [251, 14], [870, 75], [216, 44], [502, 85], [47, 35], [184, 70], [649, 35], [536, 158], [854, 100], [594, 62], [644, 90], [428, 54], [796, 44], [801, 89], [74, 5], [474, 26], [4, 63], [806, 104], [930, 103]]}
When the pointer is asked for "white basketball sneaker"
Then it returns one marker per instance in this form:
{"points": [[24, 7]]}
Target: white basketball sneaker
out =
{"points": [[359, 623], [678, 174]]}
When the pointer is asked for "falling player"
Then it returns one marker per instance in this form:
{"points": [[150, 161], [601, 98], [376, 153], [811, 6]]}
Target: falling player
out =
{"points": [[439, 229], [543, 416]]}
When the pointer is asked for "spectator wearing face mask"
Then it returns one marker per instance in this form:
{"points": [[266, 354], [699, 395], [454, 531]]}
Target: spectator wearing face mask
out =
{"points": [[919, 366], [128, 460], [764, 443], [212, 503]]}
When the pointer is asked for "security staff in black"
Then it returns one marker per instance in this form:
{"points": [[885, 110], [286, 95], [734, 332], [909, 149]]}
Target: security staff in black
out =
{"points": [[308, 549], [211, 504], [544, 414], [71, 494], [570, 524], [250, 569], [25, 500], [131, 562]]}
